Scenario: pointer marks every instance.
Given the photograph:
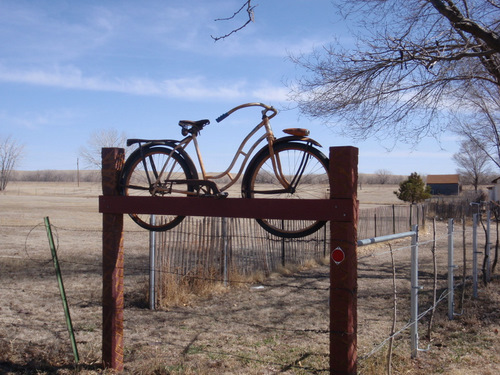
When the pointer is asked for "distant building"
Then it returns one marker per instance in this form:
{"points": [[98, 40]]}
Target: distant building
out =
{"points": [[444, 184], [495, 190]]}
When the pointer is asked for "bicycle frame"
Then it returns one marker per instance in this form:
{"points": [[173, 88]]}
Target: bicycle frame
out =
{"points": [[268, 135]]}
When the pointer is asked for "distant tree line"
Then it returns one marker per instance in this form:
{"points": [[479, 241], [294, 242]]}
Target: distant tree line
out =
{"points": [[381, 177], [51, 175]]}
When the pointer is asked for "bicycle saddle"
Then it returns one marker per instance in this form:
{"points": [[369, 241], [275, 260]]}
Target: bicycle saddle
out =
{"points": [[192, 127]]}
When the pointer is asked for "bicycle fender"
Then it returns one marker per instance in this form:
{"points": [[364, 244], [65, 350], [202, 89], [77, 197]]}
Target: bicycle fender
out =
{"points": [[293, 138], [148, 142]]}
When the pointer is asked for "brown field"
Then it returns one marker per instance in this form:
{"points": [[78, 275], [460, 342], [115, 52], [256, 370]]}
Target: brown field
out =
{"points": [[272, 325]]}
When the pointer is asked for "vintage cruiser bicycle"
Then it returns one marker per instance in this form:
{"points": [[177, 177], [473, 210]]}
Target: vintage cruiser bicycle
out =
{"points": [[287, 167]]}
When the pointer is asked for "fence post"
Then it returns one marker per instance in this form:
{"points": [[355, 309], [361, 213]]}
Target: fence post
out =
{"points": [[474, 255], [487, 277], [418, 213], [393, 219], [414, 293], [62, 291], [324, 242], [112, 264], [152, 265], [343, 263], [283, 244], [424, 208], [451, 267], [224, 248]]}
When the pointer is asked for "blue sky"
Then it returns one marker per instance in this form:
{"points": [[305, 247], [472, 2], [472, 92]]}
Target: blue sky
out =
{"points": [[68, 68]]}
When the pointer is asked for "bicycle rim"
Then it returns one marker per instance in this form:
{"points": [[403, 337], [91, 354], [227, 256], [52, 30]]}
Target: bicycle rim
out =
{"points": [[302, 165], [140, 176]]}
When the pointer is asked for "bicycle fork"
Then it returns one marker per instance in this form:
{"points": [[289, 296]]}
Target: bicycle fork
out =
{"points": [[289, 187], [278, 171], [303, 163]]}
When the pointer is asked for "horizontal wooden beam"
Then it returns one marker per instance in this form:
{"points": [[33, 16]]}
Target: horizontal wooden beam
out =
{"points": [[287, 209]]}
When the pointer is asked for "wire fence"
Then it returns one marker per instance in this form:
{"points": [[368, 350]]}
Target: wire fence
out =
{"points": [[240, 246], [285, 314], [384, 220], [200, 242], [406, 274]]}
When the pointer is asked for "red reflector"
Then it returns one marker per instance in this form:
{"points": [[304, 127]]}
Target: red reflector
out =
{"points": [[338, 255]]}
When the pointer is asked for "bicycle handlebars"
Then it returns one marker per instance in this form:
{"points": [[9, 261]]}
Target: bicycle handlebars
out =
{"points": [[222, 117], [266, 107]]}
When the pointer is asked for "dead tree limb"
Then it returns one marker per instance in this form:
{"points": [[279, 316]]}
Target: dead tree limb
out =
{"points": [[250, 13]]}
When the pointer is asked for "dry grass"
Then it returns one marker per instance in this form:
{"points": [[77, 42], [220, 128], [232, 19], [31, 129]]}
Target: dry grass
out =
{"points": [[183, 290], [256, 326], [469, 344]]}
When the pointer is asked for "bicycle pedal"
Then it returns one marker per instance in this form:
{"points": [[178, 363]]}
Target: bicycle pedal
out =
{"points": [[222, 195]]}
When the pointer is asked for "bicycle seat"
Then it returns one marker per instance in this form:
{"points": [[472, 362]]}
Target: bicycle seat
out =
{"points": [[298, 132], [192, 127]]}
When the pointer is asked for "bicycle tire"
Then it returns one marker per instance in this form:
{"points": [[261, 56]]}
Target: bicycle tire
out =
{"points": [[313, 183], [141, 169]]}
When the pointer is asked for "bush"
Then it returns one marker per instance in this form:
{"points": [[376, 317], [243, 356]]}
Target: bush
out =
{"points": [[413, 189]]}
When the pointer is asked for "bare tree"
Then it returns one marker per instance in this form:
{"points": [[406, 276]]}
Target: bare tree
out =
{"points": [[413, 60], [91, 152], [10, 154], [383, 176], [480, 122], [472, 162]]}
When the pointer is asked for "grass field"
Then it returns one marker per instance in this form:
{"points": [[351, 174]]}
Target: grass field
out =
{"points": [[268, 326]]}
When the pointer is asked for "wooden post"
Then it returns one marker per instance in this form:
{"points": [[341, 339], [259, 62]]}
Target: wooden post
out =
{"points": [[112, 264], [343, 263]]}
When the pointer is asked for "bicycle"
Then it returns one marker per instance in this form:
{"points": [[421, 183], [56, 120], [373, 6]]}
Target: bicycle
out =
{"points": [[287, 167]]}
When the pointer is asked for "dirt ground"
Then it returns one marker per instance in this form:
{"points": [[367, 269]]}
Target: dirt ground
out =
{"points": [[274, 325]]}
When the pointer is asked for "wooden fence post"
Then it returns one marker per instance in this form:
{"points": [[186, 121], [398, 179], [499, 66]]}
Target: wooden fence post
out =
{"points": [[343, 263], [112, 265]]}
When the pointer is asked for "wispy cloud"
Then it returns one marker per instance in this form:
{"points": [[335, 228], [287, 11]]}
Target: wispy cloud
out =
{"points": [[55, 33], [60, 117], [270, 93], [191, 88]]}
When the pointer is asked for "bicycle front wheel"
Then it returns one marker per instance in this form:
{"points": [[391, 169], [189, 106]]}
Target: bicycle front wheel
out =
{"points": [[304, 170], [156, 171]]}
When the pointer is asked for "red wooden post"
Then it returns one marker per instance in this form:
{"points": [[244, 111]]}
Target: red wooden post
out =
{"points": [[343, 263], [112, 264]]}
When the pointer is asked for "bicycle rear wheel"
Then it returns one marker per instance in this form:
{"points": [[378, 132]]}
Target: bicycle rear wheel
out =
{"points": [[305, 168], [140, 174]]}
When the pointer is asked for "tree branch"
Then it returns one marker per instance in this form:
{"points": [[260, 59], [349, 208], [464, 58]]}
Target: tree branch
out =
{"points": [[460, 22], [250, 14]]}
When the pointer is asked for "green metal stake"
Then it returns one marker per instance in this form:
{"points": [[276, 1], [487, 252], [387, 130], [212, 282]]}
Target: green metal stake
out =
{"points": [[61, 289]]}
